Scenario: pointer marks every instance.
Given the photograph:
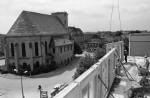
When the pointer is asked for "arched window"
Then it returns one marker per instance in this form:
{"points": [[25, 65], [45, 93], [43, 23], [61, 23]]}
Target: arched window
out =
{"points": [[46, 47], [36, 49], [53, 50], [24, 65], [37, 64], [23, 50], [12, 49]]}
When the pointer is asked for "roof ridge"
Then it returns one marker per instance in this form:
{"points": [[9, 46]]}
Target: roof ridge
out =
{"points": [[35, 13]]}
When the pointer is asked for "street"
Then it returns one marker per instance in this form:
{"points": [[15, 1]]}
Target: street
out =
{"points": [[10, 86]]}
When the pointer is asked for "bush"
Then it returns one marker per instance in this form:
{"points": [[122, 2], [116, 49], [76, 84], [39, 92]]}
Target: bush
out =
{"points": [[77, 49], [84, 64], [99, 53]]}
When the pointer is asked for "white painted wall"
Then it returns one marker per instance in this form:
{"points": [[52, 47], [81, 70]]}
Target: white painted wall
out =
{"points": [[88, 85], [139, 45]]}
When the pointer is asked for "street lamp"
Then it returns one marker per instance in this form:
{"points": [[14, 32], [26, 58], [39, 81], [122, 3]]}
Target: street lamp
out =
{"points": [[21, 82]]}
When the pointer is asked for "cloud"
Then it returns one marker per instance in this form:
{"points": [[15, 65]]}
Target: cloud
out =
{"points": [[90, 15]]}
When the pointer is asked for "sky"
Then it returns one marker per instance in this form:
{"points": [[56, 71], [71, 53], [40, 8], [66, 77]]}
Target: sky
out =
{"points": [[89, 15]]}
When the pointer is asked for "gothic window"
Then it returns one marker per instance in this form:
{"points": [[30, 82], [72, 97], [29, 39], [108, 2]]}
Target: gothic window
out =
{"points": [[24, 65], [45, 47], [65, 22], [64, 49], [68, 60], [37, 64], [12, 49], [71, 47], [23, 50], [36, 49], [68, 47], [53, 50]]}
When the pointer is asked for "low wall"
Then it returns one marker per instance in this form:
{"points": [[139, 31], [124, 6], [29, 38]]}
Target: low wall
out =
{"points": [[88, 85], [119, 46]]}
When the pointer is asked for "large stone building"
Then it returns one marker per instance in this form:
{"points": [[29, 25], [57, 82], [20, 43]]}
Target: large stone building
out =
{"points": [[37, 40]]}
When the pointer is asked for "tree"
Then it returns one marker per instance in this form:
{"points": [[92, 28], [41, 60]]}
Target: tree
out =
{"points": [[118, 33], [99, 53], [77, 49], [84, 64]]}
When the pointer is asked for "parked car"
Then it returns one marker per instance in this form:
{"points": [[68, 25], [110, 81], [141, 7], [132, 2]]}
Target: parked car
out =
{"points": [[57, 88]]}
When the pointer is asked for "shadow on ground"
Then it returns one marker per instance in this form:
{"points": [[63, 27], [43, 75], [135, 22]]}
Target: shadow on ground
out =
{"points": [[59, 71]]}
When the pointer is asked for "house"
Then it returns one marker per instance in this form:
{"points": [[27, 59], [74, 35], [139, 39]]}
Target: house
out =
{"points": [[37, 40], [94, 43]]}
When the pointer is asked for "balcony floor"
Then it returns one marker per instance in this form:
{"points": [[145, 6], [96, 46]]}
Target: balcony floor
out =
{"points": [[120, 88]]}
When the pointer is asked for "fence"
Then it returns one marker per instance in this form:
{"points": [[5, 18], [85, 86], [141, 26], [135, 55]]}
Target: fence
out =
{"points": [[89, 84]]}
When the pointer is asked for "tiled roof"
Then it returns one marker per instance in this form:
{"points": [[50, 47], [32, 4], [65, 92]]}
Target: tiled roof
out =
{"points": [[61, 41], [31, 23]]}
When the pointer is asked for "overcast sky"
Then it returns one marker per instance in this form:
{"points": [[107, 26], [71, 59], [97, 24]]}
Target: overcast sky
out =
{"points": [[89, 15]]}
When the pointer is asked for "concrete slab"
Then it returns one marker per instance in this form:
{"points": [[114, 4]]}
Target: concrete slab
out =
{"points": [[120, 90]]}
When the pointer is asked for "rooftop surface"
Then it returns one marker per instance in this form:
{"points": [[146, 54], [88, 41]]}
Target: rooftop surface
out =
{"points": [[120, 89], [32, 23]]}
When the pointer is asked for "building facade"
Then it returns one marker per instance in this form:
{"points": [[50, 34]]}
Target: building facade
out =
{"points": [[139, 44], [31, 41], [94, 43]]}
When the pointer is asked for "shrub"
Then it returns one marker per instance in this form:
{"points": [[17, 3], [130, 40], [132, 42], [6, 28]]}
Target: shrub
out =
{"points": [[99, 53], [84, 64], [77, 49]]}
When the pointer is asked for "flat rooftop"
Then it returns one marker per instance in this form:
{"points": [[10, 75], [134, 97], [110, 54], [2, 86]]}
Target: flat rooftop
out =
{"points": [[123, 84]]}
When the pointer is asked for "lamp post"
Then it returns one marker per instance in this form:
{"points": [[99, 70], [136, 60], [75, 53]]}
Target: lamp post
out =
{"points": [[21, 82]]}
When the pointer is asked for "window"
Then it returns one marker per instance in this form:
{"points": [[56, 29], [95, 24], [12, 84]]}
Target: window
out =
{"points": [[53, 50], [64, 49], [60, 49], [46, 47], [12, 49], [68, 47], [23, 50], [71, 47], [65, 22], [37, 64], [30, 45], [68, 60], [24, 65], [36, 49]]}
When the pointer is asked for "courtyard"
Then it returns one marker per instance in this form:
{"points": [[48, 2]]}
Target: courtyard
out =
{"points": [[10, 84]]}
